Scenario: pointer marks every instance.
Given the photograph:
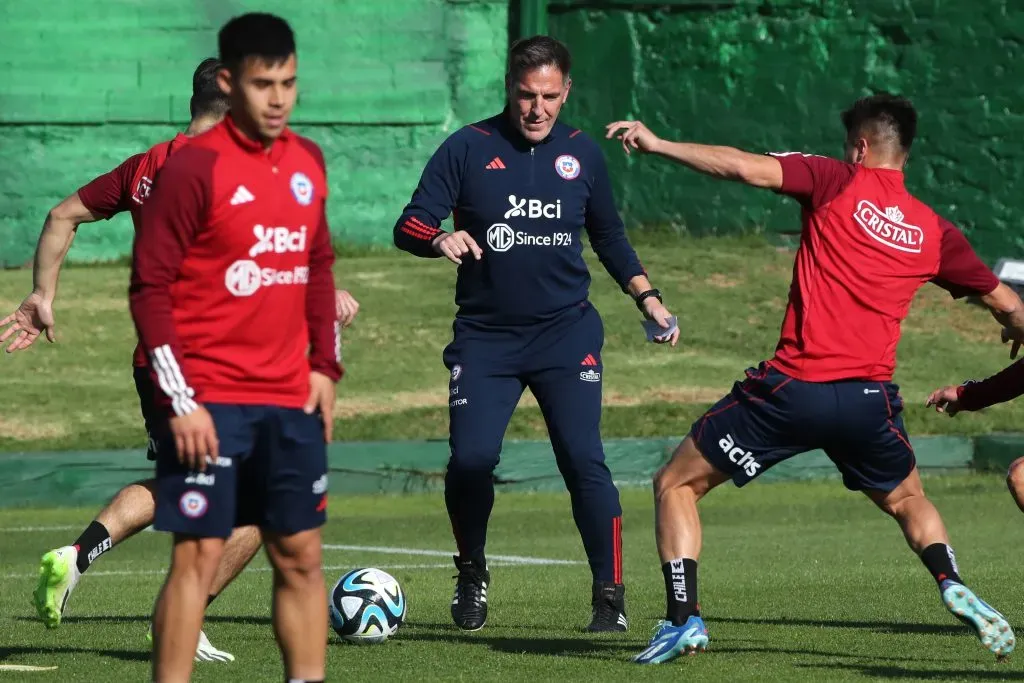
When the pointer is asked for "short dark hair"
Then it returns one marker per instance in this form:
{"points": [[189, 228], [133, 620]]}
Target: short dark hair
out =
{"points": [[256, 34], [207, 97], [532, 53], [889, 119]]}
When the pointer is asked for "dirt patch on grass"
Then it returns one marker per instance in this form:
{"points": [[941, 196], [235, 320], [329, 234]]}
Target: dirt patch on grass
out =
{"points": [[32, 430], [412, 400], [378, 279], [721, 281], [666, 395]]}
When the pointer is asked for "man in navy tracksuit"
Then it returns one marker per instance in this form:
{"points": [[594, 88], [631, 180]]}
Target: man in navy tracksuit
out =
{"points": [[521, 186]]}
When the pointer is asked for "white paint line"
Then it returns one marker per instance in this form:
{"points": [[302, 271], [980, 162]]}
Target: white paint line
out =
{"points": [[32, 529], [328, 568], [511, 559], [25, 667]]}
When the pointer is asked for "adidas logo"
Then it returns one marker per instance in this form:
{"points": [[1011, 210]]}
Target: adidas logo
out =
{"points": [[241, 196], [589, 360], [496, 163]]}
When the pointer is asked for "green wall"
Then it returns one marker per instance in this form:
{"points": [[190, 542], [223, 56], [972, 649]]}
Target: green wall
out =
{"points": [[382, 83], [774, 75]]}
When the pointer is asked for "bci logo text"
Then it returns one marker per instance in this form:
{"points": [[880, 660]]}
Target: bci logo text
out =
{"points": [[533, 208], [277, 240]]}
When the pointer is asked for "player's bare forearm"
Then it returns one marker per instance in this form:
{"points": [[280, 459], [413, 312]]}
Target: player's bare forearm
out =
{"points": [[1006, 307], [55, 241], [638, 284], [727, 163]]}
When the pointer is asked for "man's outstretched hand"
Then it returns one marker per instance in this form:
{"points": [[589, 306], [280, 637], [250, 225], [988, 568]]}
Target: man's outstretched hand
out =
{"points": [[634, 135], [33, 317]]}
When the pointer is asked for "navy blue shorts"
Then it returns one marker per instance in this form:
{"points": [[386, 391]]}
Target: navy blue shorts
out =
{"points": [[770, 417], [151, 415], [272, 472]]}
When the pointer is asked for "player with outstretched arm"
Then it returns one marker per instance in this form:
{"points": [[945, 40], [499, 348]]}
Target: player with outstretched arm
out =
{"points": [[867, 245], [125, 188]]}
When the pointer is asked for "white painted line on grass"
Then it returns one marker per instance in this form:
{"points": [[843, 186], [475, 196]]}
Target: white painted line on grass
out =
{"points": [[327, 568], [511, 559], [161, 572], [25, 667], [31, 529]]}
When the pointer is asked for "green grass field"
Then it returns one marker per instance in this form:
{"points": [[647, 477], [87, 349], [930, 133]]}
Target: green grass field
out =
{"points": [[729, 294], [799, 581]]}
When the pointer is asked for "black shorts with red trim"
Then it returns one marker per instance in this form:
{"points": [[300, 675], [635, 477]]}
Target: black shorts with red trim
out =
{"points": [[770, 417]]}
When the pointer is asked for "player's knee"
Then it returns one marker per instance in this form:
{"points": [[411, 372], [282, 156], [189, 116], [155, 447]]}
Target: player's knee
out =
{"points": [[299, 557], [1015, 478], [584, 461], [686, 472], [473, 461], [137, 493], [666, 481], [197, 559]]}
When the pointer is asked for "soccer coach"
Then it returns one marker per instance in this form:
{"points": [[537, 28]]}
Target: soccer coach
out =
{"points": [[521, 187]]}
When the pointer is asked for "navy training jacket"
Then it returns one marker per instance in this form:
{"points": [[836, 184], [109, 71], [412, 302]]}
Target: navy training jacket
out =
{"points": [[526, 206]]}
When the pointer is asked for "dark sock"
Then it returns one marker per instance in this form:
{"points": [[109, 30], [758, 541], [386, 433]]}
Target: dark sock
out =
{"points": [[941, 562], [93, 542], [680, 590]]}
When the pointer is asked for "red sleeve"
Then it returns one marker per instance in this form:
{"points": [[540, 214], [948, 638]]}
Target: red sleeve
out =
{"points": [[1003, 386], [111, 193], [961, 272], [173, 216], [321, 308], [813, 180]]}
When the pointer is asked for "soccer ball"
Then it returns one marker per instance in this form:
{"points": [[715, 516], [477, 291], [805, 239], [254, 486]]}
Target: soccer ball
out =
{"points": [[367, 606]]}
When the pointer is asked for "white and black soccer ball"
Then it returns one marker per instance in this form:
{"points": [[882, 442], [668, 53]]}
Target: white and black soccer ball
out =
{"points": [[367, 606]]}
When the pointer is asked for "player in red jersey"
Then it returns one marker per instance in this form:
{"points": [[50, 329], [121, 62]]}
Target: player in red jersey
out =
{"points": [[125, 188], [867, 245], [233, 297]]}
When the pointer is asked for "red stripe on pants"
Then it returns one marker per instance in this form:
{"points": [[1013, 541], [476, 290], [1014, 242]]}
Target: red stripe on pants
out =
{"points": [[617, 548]]}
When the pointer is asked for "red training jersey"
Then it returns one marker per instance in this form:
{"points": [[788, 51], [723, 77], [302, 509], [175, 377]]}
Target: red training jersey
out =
{"points": [[231, 290], [126, 188], [867, 245]]}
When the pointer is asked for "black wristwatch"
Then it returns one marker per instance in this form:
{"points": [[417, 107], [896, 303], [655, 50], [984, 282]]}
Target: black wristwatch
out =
{"points": [[643, 296]]}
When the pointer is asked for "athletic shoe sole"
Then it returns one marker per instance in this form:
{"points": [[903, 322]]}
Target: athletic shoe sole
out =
{"points": [[52, 573], [992, 629]]}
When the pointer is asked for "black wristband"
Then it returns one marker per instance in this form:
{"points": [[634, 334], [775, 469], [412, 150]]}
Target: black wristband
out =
{"points": [[643, 296]]}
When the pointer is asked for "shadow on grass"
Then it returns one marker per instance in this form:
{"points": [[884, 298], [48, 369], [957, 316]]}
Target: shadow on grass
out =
{"points": [[879, 626], [596, 646], [883, 671], [95, 619], [124, 655]]}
